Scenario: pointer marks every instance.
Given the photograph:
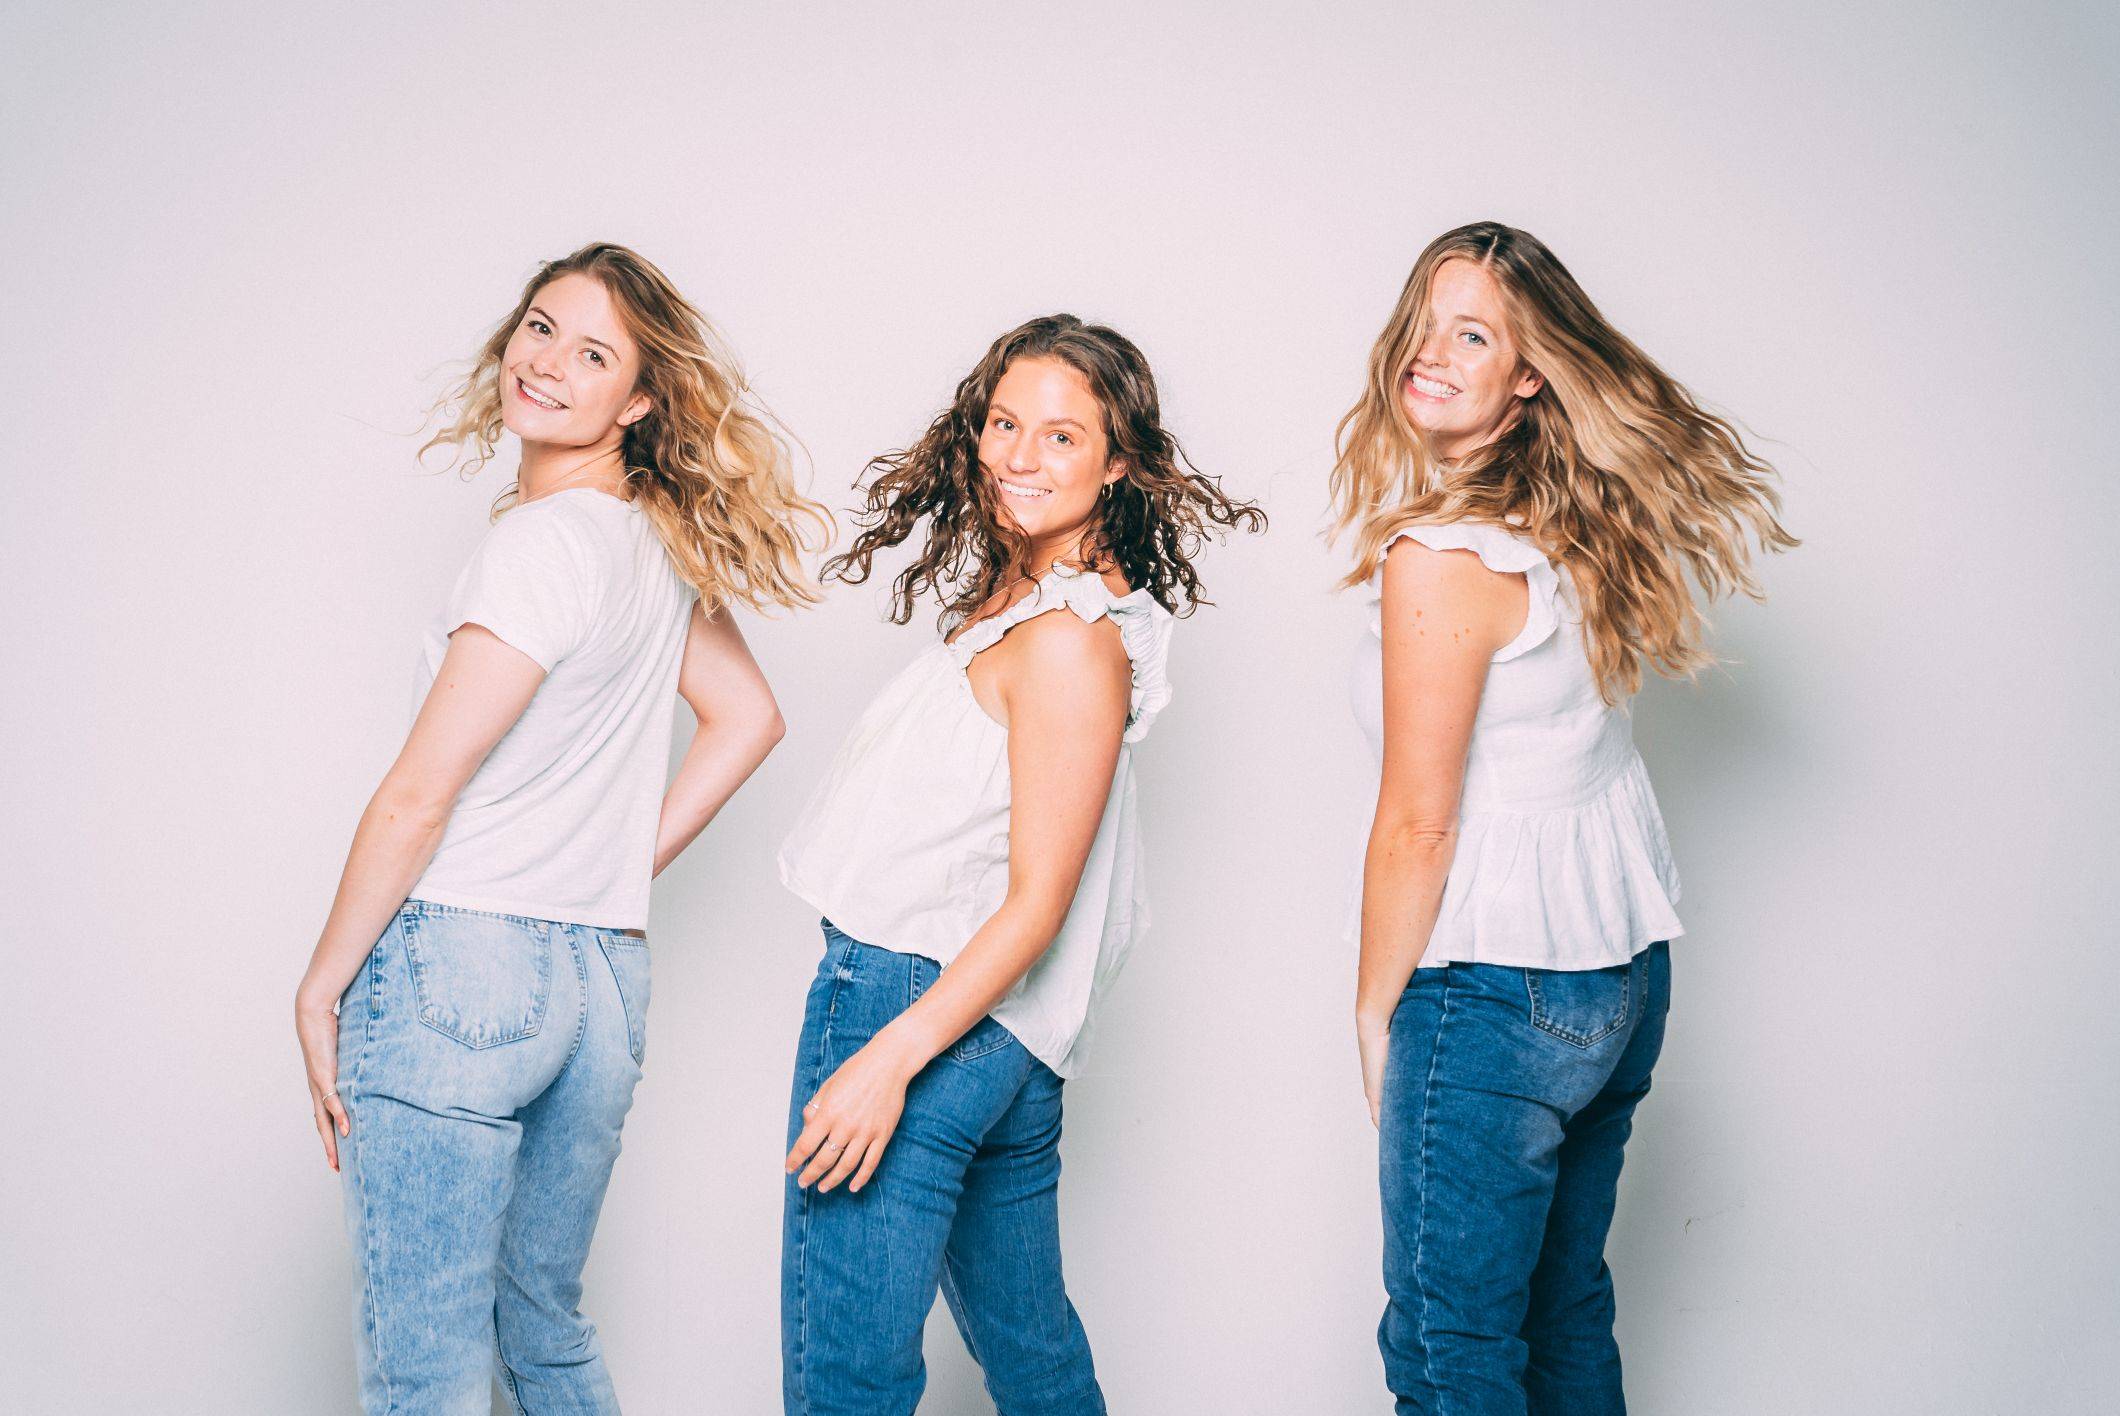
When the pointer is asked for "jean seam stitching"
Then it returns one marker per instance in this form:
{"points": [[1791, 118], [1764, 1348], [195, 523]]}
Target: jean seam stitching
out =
{"points": [[415, 970], [581, 1014], [956, 1297], [500, 1355], [1420, 1228], [368, 1241], [802, 1225], [625, 1007], [1571, 1036]]}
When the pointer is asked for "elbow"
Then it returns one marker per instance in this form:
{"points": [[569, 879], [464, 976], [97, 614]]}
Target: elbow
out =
{"points": [[769, 730], [421, 807], [1414, 837]]}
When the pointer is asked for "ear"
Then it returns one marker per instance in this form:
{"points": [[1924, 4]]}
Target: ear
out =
{"points": [[1529, 385], [639, 408], [1115, 471]]}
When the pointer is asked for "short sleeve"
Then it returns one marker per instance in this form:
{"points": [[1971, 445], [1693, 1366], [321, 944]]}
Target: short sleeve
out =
{"points": [[529, 583], [1497, 550]]}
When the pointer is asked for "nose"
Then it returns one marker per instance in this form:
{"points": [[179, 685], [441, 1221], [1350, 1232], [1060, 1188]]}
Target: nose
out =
{"points": [[544, 362], [1023, 452], [1434, 351]]}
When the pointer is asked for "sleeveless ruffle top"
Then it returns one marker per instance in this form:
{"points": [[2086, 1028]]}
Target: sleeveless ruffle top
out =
{"points": [[905, 844], [1562, 861]]}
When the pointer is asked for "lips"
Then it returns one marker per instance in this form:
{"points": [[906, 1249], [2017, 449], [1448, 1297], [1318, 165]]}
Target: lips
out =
{"points": [[1430, 388], [1019, 489], [535, 399]]}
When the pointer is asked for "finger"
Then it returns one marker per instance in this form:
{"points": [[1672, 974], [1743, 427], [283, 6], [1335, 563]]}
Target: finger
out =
{"points": [[828, 1155], [337, 1104], [869, 1163], [323, 1125], [848, 1161], [813, 1136]]}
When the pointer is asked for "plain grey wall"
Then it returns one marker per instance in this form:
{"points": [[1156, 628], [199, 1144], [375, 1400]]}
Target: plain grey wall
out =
{"points": [[240, 240]]}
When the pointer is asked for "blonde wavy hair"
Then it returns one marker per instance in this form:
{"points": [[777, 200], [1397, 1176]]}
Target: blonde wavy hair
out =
{"points": [[709, 466], [1611, 467]]}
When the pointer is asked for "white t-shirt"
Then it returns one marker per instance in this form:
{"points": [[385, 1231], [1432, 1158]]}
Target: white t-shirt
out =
{"points": [[559, 821]]}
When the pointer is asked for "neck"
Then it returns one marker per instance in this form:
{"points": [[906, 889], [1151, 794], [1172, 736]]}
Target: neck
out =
{"points": [[1050, 550], [548, 468]]}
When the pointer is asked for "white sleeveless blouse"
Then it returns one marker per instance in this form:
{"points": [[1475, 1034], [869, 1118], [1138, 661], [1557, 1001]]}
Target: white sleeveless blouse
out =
{"points": [[905, 843], [1562, 861]]}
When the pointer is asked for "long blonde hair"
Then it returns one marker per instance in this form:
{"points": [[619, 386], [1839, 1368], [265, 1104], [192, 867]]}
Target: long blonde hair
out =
{"points": [[712, 472], [1611, 467]]}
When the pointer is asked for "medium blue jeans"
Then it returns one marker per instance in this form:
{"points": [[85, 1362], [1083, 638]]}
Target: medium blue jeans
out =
{"points": [[1508, 1097], [487, 1063], [966, 1198]]}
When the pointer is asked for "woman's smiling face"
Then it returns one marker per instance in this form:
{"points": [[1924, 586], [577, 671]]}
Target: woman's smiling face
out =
{"points": [[568, 373], [1467, 377], [1045, 448]]}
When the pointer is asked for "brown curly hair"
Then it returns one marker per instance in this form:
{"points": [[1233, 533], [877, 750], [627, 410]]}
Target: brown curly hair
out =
{"points": [[1149, 527]]}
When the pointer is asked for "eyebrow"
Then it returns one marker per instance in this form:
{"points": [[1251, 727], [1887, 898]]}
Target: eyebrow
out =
{"points": [[589, 338], [1009, 413]]}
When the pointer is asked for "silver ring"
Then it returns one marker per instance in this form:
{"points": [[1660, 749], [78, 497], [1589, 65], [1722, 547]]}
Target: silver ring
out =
{"points": [[330, 1094]]}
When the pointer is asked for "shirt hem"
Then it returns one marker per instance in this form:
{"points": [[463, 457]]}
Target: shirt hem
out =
{"points": [[591, 917], [854, 927], [1509, 959]]}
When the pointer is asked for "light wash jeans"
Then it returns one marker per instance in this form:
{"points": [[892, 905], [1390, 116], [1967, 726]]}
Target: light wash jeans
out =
{"points": [[1509, 1094], [967, 1198], [487, 1063]]}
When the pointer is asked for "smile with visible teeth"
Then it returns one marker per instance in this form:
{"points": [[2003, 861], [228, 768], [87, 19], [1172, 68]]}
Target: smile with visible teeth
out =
{"points": [[1017, 489], [1432, 387], [538, 398]]}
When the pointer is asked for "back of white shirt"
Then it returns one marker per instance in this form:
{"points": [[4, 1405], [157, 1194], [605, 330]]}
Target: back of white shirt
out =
{"points": [[559, 821]]}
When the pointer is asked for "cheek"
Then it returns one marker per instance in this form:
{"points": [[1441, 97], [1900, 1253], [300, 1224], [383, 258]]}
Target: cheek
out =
{"points": [[602, 398]]}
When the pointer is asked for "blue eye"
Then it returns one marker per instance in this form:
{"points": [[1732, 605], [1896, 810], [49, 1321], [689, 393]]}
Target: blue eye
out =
{"points": [[1474, 337], [1062, 438]]}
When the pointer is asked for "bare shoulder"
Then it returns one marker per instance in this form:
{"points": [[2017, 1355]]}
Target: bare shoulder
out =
{"points": [[1453, 572], [1059, 659], [1060, 641], [1451, 589]]}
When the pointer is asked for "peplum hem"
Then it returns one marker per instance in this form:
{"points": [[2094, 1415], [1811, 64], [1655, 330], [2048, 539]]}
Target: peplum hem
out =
{"points": [[1587, 886]]}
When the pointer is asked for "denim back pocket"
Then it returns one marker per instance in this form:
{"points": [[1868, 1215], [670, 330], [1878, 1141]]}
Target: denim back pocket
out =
{"points": [[1580, 1006], [980, 1038], [482, 979], [628, 958]]}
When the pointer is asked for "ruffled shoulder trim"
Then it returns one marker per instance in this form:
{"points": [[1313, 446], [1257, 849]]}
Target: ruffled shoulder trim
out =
{"points": [[1144, 630], [1498, 549]]}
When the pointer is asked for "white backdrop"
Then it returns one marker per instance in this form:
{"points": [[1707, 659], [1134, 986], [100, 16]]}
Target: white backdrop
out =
{"points": [[240, 240]]}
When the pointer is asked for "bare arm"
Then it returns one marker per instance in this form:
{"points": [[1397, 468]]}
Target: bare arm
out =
{"points": [[1064, 687], [1444, 615], [739, 723], [482, 687]]}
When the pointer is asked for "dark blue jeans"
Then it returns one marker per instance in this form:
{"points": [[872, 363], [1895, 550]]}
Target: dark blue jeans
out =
{"points": [[1508, 1097], [966, 1198]]}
